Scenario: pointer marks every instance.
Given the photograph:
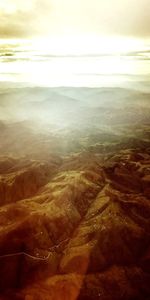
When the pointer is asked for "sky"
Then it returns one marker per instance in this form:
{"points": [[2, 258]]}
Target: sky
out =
{"points": [[29, 18], [76, 42]]}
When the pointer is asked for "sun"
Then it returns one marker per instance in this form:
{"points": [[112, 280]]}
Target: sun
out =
{"points": [[84, 45]]}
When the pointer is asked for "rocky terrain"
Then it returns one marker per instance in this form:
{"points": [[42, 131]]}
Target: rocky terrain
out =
{"points": [[75, 200]]}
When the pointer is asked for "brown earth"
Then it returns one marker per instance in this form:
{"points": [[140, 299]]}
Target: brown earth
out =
{"points": [[76, 228]]}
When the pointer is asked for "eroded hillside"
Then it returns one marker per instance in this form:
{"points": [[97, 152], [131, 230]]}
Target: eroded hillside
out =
{"points": [[75, 207]]}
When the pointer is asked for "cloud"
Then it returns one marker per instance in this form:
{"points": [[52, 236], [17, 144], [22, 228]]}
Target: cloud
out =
{"points": [[23, 21], [17, 25], [23, 18]]}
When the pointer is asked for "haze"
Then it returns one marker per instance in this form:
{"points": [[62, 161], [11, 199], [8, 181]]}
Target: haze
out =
{"points": [[19, 18]]}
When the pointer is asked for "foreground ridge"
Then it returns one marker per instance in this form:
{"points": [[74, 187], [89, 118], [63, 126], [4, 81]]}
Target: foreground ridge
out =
{"points": [[100, 232]]}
